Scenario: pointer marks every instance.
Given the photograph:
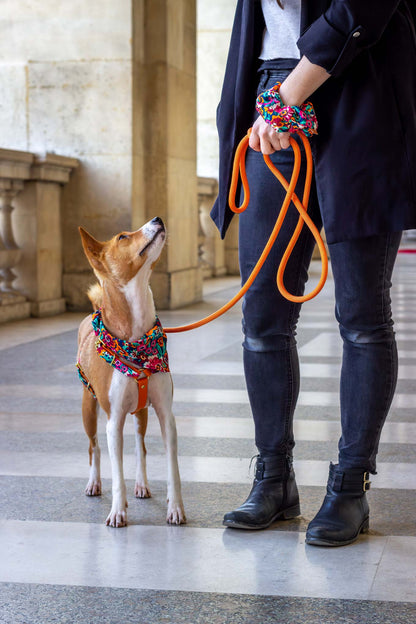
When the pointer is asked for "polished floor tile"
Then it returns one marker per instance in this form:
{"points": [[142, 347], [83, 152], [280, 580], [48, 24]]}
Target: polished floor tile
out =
{"points": [[201, 427], [193, 469], [57, 551], [169, 558]]}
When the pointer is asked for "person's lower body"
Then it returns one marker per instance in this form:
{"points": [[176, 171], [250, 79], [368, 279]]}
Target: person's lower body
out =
{"points": [[269, 349], [362, 271]]}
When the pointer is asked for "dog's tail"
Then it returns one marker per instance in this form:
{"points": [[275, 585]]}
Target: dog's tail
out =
{"points": [[95, 295]]}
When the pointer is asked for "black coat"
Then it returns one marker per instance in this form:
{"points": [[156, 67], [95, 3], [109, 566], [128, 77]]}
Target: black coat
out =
{"points": [[365, 151]]}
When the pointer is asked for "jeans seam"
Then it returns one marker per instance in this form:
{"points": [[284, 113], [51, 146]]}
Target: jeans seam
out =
{"points": [[386, 248], [389, 387], [294, 306], [388, 397], [289, 401]]}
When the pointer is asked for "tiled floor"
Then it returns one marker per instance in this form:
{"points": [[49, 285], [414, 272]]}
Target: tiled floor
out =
{"points": [[60, 563]]}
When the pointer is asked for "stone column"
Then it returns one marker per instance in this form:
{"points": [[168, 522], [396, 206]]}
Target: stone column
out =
{"points": [[14, 170], [39, 230], [164, 141]]}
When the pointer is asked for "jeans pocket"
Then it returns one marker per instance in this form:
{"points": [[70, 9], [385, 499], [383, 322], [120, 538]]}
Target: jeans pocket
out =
{"points": [[277, 76], [264, 78], [269, 78]]}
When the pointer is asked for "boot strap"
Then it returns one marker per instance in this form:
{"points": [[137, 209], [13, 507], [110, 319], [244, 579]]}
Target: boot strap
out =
{"points": [[339, 480], [268, 467]]}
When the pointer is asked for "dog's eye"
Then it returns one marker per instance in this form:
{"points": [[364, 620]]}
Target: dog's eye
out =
{"points": [[122, 236]]}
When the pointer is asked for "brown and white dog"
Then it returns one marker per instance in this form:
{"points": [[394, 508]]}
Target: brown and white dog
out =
{"points": [[123, 266]]}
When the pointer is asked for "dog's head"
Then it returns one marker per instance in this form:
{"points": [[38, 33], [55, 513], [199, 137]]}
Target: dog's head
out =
{"points": [[121, 258]]}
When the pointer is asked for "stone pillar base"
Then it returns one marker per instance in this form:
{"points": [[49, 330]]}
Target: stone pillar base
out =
{"points": [[177, 289], [13, 308], [48, 308], [208, 272]]}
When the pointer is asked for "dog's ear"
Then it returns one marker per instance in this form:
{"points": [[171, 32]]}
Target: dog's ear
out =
{"points": [[93, 249]]}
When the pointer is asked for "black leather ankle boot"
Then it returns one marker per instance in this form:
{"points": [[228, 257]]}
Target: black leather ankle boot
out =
{"points": [[344, 513], [274, 496]]}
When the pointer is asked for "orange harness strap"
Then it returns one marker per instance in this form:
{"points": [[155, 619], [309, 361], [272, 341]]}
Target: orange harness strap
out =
{"points": [[142, 383], [239, 169], [142, 388]]}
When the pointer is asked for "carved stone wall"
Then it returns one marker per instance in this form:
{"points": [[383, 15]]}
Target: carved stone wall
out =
{"points": [[113, 85]]}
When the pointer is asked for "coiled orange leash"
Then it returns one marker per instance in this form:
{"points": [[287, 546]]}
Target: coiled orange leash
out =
{"points": [[301, 206]]}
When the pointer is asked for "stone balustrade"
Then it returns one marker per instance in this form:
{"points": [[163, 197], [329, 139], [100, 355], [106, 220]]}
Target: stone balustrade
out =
{"points": [[220, 257], [211, 248], [31, 238], [217, 257], [30, 233]]}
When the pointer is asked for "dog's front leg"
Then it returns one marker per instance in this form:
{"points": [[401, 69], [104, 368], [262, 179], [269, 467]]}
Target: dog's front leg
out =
{"points": [[141, 489], [120, 401], [163, 407], [89, 417], [118, 513]]}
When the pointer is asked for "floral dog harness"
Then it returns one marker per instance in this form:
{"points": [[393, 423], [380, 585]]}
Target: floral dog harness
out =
{"points": [[134, 359]]}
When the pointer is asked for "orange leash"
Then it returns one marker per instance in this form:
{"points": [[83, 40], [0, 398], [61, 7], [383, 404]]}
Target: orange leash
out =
{"points": [[302, 207]]}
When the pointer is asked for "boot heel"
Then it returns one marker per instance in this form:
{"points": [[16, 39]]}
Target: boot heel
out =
{"points": [[291, 512], [365, 526]]}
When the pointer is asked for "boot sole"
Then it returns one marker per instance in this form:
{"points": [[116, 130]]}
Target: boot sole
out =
{"points": [[318, 541], [284, 514]]}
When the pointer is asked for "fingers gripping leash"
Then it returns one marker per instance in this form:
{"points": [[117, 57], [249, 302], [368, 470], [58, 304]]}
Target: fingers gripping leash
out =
{"points": [[302, 207]]}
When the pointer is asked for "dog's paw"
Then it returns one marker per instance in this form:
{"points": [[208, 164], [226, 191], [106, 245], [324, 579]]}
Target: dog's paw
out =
{"points": [[176, 514], [142, 491], [93, 488], [117, 517]]}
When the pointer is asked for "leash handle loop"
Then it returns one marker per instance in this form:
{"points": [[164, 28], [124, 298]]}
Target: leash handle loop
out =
{"points": [[302, 207], [240, 170]]}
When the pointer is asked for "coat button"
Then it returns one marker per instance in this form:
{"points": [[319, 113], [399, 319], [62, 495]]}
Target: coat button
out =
{"points": [[356, 34]]}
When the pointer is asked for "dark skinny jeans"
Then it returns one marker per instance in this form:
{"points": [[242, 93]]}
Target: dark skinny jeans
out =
{"points": [[362, 270]]}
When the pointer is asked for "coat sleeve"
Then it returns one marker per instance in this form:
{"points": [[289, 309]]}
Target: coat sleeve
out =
{"points": [[345, 29]]}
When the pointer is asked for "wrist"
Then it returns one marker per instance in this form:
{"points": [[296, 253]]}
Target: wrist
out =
{"points": [[289, 98], [284, 117]]}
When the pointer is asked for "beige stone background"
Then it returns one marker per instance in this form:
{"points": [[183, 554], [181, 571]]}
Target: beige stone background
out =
{"points": [[129, 89], [214, 19]]}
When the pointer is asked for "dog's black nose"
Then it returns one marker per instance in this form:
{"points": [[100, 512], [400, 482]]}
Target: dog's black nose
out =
{"points": [[157, 221]]}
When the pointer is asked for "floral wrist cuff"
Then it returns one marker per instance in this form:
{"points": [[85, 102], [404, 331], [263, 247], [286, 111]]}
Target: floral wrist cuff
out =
{"points": [[286, 118]]}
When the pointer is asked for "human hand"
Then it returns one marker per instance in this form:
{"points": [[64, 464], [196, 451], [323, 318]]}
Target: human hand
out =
{"points": [[265, 139]]}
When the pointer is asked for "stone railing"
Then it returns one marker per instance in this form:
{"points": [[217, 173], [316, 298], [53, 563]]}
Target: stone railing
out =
{"points": [[217, 257], [31, 238], [30, 233], [220, 257]]}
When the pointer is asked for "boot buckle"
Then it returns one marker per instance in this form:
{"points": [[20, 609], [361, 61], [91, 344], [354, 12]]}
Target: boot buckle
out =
{"points": [[260, 468], [366, 482]]}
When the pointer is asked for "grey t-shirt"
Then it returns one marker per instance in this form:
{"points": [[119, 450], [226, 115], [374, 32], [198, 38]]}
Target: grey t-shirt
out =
{"points": [[282, 29]]}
